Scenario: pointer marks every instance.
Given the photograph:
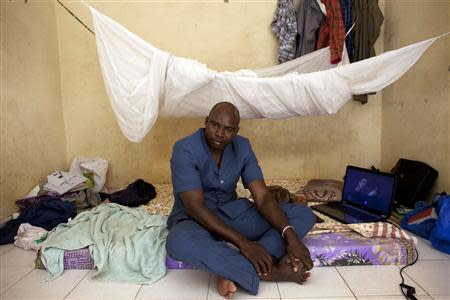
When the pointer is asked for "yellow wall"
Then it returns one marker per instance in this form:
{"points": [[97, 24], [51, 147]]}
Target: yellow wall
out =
{"points": [[53, 92], [416, 108], [32, 131], [226, 36]]}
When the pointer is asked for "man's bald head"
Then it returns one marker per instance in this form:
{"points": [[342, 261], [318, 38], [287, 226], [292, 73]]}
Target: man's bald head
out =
{"points": [[225, 107]]}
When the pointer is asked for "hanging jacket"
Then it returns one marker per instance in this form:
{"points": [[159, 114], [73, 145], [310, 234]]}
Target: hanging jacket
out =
{"points": [[368, 19], [308, 21], [332, 32], [284, 25], [346, 9]]}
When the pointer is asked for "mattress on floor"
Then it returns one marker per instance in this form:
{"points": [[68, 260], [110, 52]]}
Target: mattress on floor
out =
{"points": [[327, 249], [351, 248], [81, 259], [78, 259], [163, 202]]}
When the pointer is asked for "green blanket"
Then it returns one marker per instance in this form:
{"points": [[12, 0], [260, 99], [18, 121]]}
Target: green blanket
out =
{"points": [[127, 244]]}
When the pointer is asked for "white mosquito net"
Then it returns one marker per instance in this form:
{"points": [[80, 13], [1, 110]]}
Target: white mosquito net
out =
{"points": [[144, 82]]}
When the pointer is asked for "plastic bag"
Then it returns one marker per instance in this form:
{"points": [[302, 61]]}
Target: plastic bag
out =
{"points": [[29, 237], [440, 235], [423, 228], [97, 166]]}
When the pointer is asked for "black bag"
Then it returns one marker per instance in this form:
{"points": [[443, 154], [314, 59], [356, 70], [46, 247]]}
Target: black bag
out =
{"points": [[414, 181], [137, 193]]}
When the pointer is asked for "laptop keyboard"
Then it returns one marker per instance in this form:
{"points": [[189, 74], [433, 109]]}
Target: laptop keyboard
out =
{"points": [[357, 213]]}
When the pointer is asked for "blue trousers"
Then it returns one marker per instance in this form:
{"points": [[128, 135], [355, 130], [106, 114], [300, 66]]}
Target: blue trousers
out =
{"points": [[191, 243]]}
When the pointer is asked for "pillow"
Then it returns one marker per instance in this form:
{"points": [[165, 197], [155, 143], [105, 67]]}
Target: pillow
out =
{"points": [[321, 190]]}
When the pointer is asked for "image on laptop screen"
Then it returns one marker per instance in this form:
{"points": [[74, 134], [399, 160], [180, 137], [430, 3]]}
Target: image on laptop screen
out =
{"points": [[370, 190]]}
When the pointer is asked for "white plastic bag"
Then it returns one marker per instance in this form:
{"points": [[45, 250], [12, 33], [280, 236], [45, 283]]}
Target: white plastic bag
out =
{"points": [[29, 237], [97, 166]]}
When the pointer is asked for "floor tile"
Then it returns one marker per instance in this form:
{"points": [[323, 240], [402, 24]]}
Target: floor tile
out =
{"points": [[177, 284], [431, 275], [90, 288], [322, 298], [320, 277], [421, 297], [34, 285], [267, 290], [10, 275], [375, 280], [427, 252], [17, 257], [5, 248]]}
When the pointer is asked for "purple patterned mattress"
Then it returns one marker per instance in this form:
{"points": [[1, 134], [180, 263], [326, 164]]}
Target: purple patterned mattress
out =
{"points": [[327, 249], [78, 259], [82, 259], [351, 248]]}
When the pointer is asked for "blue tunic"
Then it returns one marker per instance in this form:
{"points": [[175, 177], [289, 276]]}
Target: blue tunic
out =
{"points": [[193, 167]]}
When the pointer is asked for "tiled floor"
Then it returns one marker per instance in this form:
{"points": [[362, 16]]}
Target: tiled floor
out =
{"points": [[430, 276]]}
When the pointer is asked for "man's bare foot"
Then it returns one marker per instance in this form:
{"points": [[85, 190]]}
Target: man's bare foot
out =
{"points": [[226, 287], [283, 272]]}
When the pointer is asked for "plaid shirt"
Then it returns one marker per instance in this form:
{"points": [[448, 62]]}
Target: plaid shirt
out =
{"points": [[331, 31], [346, 8], [284, 25]]}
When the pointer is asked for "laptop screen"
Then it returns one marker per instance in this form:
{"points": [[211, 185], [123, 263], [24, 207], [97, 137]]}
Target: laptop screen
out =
{"points": [[369, 189]]}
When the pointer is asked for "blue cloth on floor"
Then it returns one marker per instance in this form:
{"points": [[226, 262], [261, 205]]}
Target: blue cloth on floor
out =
{"points": [[46, 214]]}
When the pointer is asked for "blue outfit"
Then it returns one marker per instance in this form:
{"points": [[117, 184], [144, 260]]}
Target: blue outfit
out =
{"points": [[193, 167]]}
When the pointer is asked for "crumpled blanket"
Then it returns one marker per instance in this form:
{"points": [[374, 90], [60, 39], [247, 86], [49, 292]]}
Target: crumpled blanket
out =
{"points": [[127, 244]]}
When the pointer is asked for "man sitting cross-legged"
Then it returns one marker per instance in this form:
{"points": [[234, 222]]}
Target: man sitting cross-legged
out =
{"points": [[207, 216]]}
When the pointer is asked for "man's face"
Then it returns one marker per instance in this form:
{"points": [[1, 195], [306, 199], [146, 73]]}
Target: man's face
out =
{"points": [[220, 128]]}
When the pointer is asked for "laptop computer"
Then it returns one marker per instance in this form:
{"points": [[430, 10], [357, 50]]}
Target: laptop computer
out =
{"points": [[367, 197]]}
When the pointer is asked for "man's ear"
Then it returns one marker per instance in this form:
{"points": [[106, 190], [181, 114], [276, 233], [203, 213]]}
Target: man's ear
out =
{"points": [[237, 130], [206, 120]]}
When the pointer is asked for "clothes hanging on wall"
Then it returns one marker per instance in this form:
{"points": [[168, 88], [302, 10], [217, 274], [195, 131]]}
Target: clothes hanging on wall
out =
{"points": [[308, 21], [323, 9], [346, 10], [284, 25], [368, 19], [332, 31]]}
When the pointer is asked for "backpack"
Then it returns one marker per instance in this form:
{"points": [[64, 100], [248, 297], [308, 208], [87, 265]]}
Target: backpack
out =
{"points": [[414, 181]]}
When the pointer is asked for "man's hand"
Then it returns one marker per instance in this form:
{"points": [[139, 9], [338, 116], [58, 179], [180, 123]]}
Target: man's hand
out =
{"points": [[258, 256], [279, 193], [297, 252]]}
